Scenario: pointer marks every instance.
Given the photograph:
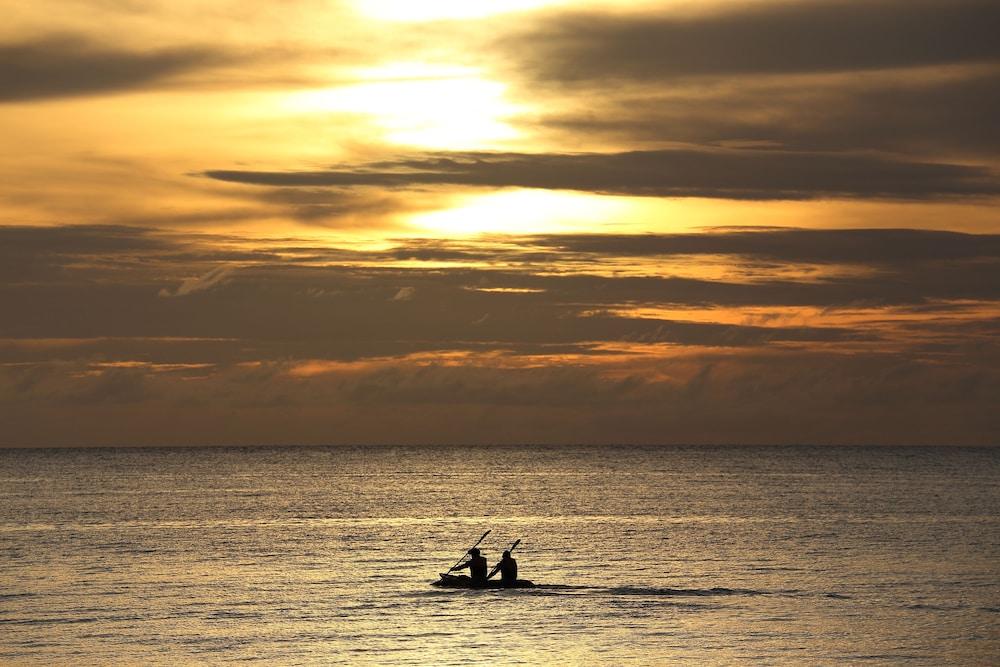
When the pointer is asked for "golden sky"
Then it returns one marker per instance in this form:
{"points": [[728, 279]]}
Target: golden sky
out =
{"points": [[326, 221]]}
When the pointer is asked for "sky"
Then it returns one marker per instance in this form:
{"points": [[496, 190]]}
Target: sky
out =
{"points": [[515, 221]]}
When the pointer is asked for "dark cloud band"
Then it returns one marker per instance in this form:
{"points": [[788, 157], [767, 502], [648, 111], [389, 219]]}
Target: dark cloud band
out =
{"points": [[732, 174], [910, 330], [924, 113], [771, 38], [854, 246], [65, 66], [303, 302]]}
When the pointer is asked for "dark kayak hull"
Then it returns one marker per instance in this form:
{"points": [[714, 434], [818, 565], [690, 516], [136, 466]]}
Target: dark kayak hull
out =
{"points": [[462, 581]]}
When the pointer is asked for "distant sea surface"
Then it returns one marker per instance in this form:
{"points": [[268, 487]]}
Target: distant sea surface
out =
{"points": [[647, 556]]}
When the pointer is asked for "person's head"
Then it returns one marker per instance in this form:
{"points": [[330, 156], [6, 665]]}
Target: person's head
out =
{"points": [[473, 552], [506, 554]]}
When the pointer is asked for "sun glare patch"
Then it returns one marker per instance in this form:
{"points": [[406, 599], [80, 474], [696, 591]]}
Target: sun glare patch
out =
{"points": [[418, 104]]}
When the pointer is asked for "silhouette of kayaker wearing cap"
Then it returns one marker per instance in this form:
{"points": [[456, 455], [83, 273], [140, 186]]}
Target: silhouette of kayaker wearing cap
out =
{"points": [[476, 565]]}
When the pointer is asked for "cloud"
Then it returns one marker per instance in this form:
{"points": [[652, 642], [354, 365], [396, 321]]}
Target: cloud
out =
{"points": [[340, 208], [923, 112], [200, 283], [731, 174], [575, 313], [66, 65], [856, 246], [30, 254], [717, 397], [764, 38], [918, 77], [575, 301], [898, 329], [79, 239], [404, 294]]}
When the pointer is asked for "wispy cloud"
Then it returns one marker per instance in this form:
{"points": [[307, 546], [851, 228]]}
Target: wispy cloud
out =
{"points": [[200, 283], [404, 294]]}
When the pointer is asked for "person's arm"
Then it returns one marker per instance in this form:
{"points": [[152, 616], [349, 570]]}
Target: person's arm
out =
{"points": [[464, 565], [505, 567], [498, 568]]}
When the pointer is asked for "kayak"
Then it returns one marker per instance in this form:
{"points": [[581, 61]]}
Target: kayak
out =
{"points": [[463, 581]]}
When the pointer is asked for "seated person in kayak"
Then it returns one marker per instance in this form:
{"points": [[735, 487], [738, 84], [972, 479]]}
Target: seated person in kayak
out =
{"points": [[476, 565], [508, 569]]}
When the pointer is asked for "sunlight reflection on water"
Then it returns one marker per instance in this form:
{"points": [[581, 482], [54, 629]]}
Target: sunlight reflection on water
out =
{"points": [[324, 556]]}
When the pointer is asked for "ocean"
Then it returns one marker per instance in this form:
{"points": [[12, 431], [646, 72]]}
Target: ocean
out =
{"points": [[644, 555]]}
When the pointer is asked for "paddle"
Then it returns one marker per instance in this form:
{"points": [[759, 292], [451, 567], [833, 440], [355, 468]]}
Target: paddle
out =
{"points": [[470, 548], [496, 568]]}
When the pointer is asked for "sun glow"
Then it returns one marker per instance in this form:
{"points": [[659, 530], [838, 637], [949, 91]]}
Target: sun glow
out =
{"points": [[457, 10], [520, 212], [419, 104], [433, 10]]}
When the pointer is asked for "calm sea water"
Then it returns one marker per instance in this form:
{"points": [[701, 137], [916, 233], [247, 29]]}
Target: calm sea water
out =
{"points": [[799, 556]]}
